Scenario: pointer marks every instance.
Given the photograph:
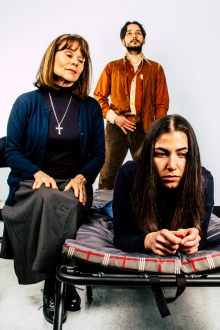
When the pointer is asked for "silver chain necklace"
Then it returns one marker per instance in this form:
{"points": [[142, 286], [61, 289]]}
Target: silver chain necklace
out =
{"points": [[59, 123]]}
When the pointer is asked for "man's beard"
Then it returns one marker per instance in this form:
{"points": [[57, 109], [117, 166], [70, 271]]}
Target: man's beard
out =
{"points": [[134, 49]]}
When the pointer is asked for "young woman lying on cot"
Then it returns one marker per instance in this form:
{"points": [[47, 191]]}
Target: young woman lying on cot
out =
{"points": [[163, 201]]}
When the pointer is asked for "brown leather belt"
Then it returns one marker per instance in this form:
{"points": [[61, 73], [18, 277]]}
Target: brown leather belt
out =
{"points": [[133, 118]]}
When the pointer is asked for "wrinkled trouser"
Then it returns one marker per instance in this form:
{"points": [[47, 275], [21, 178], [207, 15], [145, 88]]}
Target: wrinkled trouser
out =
{"points": [[117, 145]]}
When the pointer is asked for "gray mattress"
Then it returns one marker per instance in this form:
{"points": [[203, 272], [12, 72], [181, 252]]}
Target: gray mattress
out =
{"points": [[94, 246]]}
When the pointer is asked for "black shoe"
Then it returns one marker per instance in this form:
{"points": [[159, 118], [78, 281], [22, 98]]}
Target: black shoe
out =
{"points": [[72, 299], [49, 308]]}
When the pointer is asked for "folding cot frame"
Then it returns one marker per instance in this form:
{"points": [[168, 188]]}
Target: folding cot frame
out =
{"points": [[96, 276], [89, 271]]}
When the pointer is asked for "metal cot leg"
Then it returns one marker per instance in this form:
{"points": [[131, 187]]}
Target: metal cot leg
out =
{"points": [[89, 292], [58, 315]]}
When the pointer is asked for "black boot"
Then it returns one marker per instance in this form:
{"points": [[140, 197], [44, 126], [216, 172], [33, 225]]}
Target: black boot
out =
{"points": [[49, 301], [72, 299]]}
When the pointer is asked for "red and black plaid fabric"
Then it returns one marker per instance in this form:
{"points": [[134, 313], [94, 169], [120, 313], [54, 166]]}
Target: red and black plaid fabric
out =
{"points": [[94, 245]]}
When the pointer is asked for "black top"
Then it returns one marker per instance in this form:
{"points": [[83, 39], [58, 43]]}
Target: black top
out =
{"points": [[127, 235], [62, 155], [166, 206]]}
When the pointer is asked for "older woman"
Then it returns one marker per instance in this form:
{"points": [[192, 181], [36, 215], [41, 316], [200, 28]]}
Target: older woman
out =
{"points": [[55, 149], [163, 201]]}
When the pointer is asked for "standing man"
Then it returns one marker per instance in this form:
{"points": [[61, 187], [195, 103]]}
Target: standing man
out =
{"points": [[139, 95]]}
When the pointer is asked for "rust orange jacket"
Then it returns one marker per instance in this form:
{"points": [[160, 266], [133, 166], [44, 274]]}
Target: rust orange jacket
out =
{"points": [[113, 83]]}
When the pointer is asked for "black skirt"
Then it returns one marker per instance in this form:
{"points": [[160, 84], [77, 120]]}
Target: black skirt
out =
{"points": [[35, 228]]}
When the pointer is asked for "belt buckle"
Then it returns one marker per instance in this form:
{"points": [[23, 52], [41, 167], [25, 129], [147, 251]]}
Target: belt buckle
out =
{"points": [[135, 121]]}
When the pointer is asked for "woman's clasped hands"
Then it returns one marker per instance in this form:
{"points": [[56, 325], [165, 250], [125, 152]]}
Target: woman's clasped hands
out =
{"points": [[166, 242], [77, 184]]}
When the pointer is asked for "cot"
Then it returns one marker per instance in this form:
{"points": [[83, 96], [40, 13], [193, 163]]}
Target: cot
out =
{"points": [[99, 263]]}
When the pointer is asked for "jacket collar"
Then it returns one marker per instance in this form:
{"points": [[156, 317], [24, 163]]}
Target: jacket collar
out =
{"points": [[143, 58]]}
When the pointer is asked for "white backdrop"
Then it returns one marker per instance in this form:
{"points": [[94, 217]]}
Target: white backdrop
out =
{"points": [[181, 35]]}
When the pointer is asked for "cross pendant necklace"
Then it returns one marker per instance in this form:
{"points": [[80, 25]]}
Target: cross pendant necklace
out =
{"points": [[59, 128]]}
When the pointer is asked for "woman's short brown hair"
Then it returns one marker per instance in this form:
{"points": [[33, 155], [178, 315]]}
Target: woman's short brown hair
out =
{"points": [[45, 74]]}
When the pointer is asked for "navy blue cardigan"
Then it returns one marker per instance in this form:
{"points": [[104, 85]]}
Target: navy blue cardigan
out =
{"points": [[127, 235], [27, 135]]}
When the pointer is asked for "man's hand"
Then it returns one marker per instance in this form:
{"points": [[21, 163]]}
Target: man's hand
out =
{"points": [[41, 178], [124, 124]]}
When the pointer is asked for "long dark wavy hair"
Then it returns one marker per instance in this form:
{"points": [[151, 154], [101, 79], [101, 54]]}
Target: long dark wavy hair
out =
{"points": [[45, 74], [190, 207]]}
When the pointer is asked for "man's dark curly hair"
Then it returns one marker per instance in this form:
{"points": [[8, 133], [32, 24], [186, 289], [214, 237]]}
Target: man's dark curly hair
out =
{"points": [[124, 29]]}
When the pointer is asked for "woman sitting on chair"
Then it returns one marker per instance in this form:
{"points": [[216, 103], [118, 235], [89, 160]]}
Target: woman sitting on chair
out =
{"points": [[55, 149], [163, 201]]}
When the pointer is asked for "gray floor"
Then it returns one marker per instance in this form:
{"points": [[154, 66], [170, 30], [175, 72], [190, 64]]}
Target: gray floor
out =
{"points": [[111, 309]]}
